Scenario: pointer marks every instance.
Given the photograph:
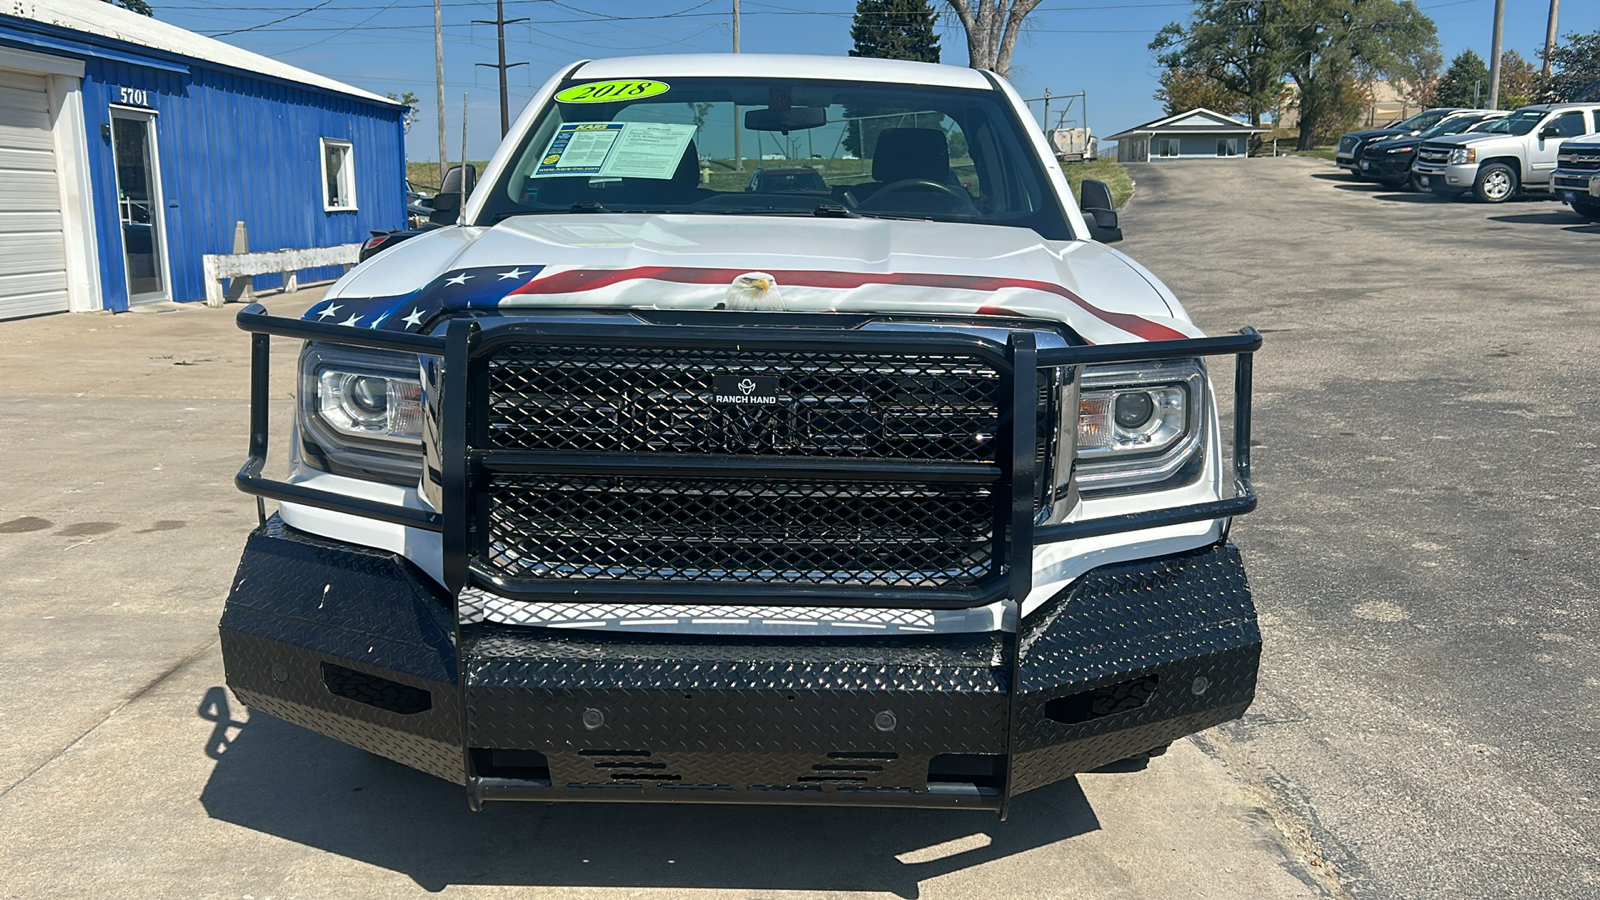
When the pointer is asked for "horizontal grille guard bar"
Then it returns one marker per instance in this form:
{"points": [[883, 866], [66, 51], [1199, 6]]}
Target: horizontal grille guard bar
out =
{"points": [[465, 339]]}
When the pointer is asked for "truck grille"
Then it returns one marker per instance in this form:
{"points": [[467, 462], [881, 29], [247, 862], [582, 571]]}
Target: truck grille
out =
{"points": [[1579, 159], [740, 530], [1347, 143], [1436, 154], [651, 400], [692, 494]]}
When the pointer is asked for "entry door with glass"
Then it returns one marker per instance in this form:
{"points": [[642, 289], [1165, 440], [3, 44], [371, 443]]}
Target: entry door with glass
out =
{"points": [[133, 146]]}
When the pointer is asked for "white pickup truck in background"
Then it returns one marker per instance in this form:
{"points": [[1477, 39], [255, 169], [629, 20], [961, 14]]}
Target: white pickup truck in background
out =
{"points": [[1516, 154]]}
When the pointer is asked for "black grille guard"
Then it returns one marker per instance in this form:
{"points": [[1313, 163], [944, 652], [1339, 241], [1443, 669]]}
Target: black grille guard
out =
{"points": [[1013, 477]]}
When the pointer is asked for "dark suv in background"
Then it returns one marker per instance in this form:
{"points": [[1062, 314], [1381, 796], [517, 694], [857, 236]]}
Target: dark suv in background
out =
{"points": [[1388, 160], [1353, 142]]}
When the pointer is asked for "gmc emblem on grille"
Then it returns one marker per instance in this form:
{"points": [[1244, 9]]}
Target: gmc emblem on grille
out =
{"points": [[745, 390]]}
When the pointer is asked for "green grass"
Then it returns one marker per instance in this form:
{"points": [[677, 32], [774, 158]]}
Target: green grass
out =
{"points": [[1107, 170]]}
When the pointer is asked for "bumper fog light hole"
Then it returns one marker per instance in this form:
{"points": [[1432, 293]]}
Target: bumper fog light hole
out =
{"points": [[1124, 696]]}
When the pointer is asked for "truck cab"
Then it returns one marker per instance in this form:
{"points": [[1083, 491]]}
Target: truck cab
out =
{"points": [[639, 482]]}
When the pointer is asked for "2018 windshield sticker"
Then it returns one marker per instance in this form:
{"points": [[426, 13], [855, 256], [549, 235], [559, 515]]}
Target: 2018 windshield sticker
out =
{"points": [[615, 150], [612, 91]]}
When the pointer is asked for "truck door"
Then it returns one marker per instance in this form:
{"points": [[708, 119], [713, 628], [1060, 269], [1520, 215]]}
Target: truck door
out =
{"points": [[1542, 154]]}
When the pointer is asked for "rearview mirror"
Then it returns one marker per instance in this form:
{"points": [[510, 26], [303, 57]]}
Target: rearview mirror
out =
{"points": [[457, 184], [794, 118]]}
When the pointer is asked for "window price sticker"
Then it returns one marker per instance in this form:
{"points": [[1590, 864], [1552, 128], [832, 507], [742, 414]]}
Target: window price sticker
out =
{"points": [[615, 150]]}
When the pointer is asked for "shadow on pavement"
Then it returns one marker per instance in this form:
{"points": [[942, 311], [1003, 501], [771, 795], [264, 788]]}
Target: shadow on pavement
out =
{"points": [[1335, 176], [1545, 218], [279, 779]]}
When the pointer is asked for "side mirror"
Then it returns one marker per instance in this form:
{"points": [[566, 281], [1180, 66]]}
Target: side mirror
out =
{"points": [[1549, 131], [1096, 202], [452, 195]]}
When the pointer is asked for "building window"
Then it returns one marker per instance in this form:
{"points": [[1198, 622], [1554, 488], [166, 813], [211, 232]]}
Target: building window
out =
{"points": [[1227, 147], [338, 175], [1169, 146]]}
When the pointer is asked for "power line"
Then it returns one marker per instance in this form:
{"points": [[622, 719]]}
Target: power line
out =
{"points": [[276, 21]]}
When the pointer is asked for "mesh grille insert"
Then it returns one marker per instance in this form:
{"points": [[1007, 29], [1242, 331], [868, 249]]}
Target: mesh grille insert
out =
{"points": [[715, 530], [846, 403]]}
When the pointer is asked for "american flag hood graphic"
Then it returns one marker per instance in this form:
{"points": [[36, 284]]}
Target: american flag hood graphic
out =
{"points": [[689, 262]]}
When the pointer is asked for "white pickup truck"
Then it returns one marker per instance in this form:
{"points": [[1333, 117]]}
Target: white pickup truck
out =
{"points": [[1576, 179], [637, 481], [1517, 153]]}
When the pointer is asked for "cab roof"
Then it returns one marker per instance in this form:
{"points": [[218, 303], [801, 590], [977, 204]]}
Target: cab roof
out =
{"points": [[776, 65]]}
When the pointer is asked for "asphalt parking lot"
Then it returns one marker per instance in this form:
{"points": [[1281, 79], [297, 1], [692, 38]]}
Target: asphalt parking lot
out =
{"points": [[1423, 561], [1424, 557]]}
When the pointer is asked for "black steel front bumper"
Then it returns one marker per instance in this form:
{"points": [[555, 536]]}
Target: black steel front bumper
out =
{"points": [[359, 645]]}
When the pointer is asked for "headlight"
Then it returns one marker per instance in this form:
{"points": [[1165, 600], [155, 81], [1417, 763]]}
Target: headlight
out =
{"points": [[360, 412], [1140, 426], [1401, 149], [1463, 155]]}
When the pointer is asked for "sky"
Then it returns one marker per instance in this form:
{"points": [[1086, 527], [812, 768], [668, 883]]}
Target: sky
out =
{"points": [[1096, 46]]}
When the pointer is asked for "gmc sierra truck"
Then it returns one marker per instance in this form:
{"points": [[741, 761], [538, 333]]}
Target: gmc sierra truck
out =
{"points": [[636, 482]]}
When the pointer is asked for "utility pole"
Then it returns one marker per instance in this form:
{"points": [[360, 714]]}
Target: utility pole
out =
{"points": [[1550, 38], [500, 22], [438, 69], [738, 139], [1494, 50]]}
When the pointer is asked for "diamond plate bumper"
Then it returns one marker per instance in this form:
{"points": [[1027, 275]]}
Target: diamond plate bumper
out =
{"points": [[359, 645]]}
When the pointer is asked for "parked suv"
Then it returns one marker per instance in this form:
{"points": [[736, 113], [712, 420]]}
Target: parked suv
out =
{"points": [[1351, 144], [1576, 179], [1388, 160], [1517, 153]]}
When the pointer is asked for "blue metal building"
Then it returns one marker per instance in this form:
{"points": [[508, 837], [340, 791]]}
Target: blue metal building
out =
{"points": [[129, 148]]}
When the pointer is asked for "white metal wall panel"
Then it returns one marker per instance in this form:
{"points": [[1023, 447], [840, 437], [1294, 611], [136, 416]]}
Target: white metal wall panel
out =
{"points": [[33, 258]]}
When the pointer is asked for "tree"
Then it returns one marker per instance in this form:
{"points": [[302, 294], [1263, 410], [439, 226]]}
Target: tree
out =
{"points": [[139, 6], [1463, 83], [410, 102], [992, 31], [888, 29], [1239, 47], [1519, 80], [1331, 47], [1574, 70], [895, 29], [1186, 89]]}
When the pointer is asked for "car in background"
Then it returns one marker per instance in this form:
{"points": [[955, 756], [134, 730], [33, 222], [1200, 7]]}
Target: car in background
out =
{"points": [[1515, 154], [1576, 179], [796, 180], [1351, 144], [1388, 160]]}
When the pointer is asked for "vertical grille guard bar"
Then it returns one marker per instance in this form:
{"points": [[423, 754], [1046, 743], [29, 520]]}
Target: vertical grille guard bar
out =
{"points": [[262, 326], [1242, 346]]}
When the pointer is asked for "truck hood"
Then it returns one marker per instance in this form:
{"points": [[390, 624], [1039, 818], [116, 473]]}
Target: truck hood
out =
{"points": [[1470, 138], [708, 262]]}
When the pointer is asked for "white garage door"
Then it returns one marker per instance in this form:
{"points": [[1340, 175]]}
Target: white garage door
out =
{"points": [[33, 265]]}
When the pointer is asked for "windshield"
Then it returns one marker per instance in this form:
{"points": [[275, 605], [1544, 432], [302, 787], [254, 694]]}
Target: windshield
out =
{"points": [[1520, 122], [1486, 126], [1422, 120], [1452, 125], [768, 146]]}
